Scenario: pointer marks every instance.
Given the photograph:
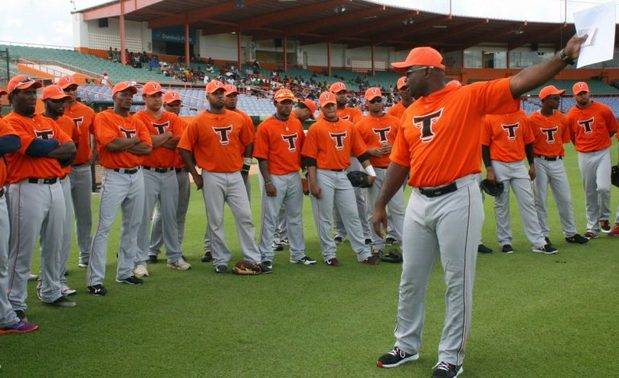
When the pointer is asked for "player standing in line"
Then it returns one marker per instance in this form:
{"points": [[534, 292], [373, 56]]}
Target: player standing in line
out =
{"points": [[551, 132], [505, 140], [592, 124], [9, 321], [54, 99], [81, 173], [328, 146], [352, 115], [172, 103], [277, 147], [160, 183], [405, 99], [122, 141], [439, 145], [216, 140], [378, 131], [36, 203]]}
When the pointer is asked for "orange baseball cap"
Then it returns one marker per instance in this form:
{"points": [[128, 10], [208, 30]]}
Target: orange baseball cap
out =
{"points": [[372, 92], [150, 88], [123, 86], [214, 85], [54, 92], [66, 81], [171, 96], [283, 95], [401, 83], [550, 90], [421, 56], [311, 105], [230, 89], [326, 98], [337, 87], [581, 86], [21, 82]]}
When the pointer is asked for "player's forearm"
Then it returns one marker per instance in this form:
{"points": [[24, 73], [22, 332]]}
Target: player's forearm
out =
{"points": [[120, 144], [249, 150], [485, 156], [528, 149], [534, 76], [159, 140], [171, 143], [63, 152], [264, 170], [311, 174], [189, 161], [140, 149], [9, 144], [394, 179]]}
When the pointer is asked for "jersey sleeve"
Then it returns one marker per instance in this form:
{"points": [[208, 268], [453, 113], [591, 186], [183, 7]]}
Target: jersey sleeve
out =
{"points": [[358, 145], [246, 136], [528, 135], [261, 142], [494, 97], [6, 128], [611, 121], [395, 128], [310, 144], [566, 135], [177, 127], [26, 137], [60, 135], [400, 153], [189, 137], [142, 132], [105, 131], [486, 132]]}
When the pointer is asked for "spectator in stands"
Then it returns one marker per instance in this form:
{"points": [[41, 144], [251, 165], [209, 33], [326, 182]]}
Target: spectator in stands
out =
{"points": [[110, 54], [106, 80]]}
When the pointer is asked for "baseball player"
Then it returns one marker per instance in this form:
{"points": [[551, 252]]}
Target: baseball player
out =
{"points": [[54, 99], [81, 173], [378, 130], [37, 207], [216, 139], [405, 99], [10, 322], [122, 142], [505, 140], [160, 182], [439, 146], [277, 147], [328, 146], [551, 132], [352, 115], [592, 124], [172, 104]]}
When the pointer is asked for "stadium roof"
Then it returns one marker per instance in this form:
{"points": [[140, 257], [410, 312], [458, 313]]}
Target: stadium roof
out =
{"points": [[353, 22]]}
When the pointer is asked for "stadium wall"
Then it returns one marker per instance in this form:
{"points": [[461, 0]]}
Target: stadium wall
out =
{"points": [[88, 34]]}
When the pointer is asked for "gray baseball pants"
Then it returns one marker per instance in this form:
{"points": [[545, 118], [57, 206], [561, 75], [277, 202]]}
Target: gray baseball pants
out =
{"points": [[156, 237], [81, 193], [7, 315], [395, 209], [595, 173]]}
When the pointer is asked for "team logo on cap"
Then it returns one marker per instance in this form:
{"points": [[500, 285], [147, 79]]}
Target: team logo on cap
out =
{"points": [[339, 139], [291, 139], [587, 124], [224, 134], [550, 134], [425, 124], [382, 133], [511, 130]]}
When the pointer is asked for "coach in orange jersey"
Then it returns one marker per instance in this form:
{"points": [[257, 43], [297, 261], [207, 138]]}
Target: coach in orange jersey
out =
{"points": [[405, 99], [592, 125], [439, 145], [160, 183], [215, 141], [36, 202], [277, 147], [54, 99], [81, 174], [378, 130]]}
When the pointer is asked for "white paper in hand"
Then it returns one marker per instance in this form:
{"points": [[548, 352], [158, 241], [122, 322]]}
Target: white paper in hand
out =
{"points": [[598, 23]]}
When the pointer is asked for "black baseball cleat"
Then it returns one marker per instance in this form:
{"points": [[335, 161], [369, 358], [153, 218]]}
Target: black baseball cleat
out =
{"points": [[368, 241], [395, 357], [333, 262], [547, 240], [133, 280], [338, 239], [152, 259], [98, 290], [208, 257], [221, 269], [576, 239], [446, 370], [507, 248], [483, 249], [391, 240], [21, 314], [267, 267], [547, 250]]}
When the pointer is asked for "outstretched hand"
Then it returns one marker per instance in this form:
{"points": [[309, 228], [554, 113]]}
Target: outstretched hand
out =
{"points": [[572, 48]]}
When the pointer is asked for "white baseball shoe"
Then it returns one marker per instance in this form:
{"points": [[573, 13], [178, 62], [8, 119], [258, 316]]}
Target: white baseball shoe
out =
{"points": [[180, 264], [140, 271]]}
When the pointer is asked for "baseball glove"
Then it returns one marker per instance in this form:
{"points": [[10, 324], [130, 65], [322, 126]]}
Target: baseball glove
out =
{"points": [[359, 179], [492, 188], [245, 268], [391, 254], [614, 175]]}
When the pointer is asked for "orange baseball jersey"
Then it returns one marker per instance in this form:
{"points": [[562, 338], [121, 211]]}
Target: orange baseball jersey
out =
{"points": [[332, 143], [591, 127], [83, 116], [375, 132], [550, 133], [249, 124], [217, 141], [5, 129], [397, 110], [506, 135], [350, 114], [22, 166], [280, 142], [69, 127], [110, 126], [161, 157], [439, 135], [178, 160]]}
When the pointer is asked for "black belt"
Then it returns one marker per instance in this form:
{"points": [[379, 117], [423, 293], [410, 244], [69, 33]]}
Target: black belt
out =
{"points": [[158, 170], [437, 192], [179, 170], [80, 165], [381, 167], [1, 192], [333, 170], [43, 181], [550, 158], [126, 171]]}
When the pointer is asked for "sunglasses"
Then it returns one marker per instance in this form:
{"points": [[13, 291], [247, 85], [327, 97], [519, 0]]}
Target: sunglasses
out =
{"points": [[376, 100], [411, 70]]}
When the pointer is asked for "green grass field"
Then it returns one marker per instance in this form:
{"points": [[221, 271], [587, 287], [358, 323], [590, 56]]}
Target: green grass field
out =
{"points": [[534, 315]]}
